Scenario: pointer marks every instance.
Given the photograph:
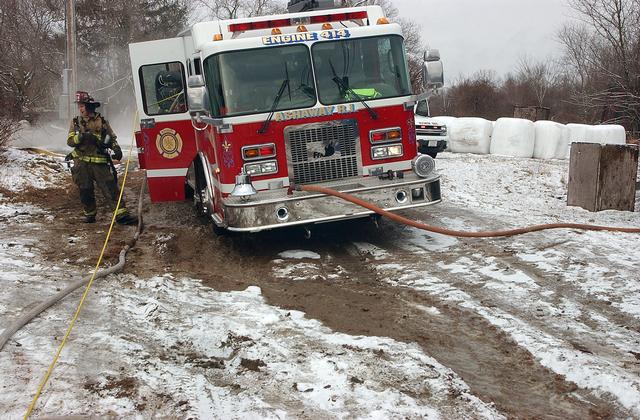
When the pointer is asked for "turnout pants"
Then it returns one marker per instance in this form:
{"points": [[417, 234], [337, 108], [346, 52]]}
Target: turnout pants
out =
{"points": [[85, 174]]}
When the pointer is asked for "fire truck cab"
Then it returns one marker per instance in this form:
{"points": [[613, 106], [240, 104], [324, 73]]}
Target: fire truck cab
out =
{"points": [[236, 114]]}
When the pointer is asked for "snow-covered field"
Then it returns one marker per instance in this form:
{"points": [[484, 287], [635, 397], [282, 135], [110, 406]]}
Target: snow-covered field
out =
{"points": [[169, 346]]}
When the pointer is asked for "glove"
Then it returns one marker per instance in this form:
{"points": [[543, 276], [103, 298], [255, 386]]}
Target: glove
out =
{"points": [[117, 154], [88, 138]]}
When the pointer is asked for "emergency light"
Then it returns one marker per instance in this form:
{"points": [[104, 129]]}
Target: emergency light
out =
{"points": [[275, 23], [259, 151], [385, 135]]}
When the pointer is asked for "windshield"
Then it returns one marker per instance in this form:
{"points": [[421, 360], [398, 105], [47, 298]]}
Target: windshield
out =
{"points": [[248, 81], [372, 68], [423, 108]]}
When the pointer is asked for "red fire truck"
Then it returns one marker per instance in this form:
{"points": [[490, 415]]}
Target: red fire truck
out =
{"points": [[236, 113]]}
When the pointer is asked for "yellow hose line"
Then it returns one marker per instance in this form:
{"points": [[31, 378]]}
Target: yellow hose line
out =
{"points": [[86, 290]]}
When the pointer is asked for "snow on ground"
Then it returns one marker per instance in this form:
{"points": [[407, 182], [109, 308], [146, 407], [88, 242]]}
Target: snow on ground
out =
{"points": [[171, 347], [20, 169], [570, 311], [523, 189], [224, 353], [298, 254], [186, 350], [582, 285]]}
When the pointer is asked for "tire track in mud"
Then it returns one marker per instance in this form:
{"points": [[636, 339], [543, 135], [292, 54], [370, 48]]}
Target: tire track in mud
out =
{"points": [[358, 302], [346, 293], [556, 287], [470, 285]]}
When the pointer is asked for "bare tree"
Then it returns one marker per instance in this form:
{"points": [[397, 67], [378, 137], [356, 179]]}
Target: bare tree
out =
{"points": [[30, 63], [390, 10], [8, 127], [539, 76], [604, 52], [477, 96], [106, 27], [233, 9]]}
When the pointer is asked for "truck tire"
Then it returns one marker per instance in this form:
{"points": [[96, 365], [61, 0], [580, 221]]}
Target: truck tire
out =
{"points": [[218, 231], [198, 199], [188, 191]]}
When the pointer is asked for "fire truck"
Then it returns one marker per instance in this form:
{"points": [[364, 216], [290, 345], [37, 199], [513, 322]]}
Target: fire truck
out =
{"points": [[238, 114]]}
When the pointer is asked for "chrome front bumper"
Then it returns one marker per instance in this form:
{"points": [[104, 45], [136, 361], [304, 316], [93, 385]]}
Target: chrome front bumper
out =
{"points": [[264, 210]]}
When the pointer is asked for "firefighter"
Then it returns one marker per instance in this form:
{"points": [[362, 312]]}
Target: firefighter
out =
{"points": [[91, 138]]}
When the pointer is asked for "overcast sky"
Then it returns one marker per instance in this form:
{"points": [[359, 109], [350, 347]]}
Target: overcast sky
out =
{"points": [[487, 34]]}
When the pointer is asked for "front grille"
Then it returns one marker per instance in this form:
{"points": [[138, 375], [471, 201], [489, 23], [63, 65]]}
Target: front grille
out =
{"points": [[323, 151], [430, 132]]}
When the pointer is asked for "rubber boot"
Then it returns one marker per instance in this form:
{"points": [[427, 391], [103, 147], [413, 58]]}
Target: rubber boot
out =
{"points": [[127, 219], [89, 219]]}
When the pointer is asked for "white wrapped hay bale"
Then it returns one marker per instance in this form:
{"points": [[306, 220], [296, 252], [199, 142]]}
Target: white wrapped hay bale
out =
{"points": [[470, 135], [578, 133], [551, 141], [563, 149], [607, 134], [513, 137]]}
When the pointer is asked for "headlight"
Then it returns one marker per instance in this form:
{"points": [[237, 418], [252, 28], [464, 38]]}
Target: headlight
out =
{"points": [[385, 152], [261, 168], [423, 165]]}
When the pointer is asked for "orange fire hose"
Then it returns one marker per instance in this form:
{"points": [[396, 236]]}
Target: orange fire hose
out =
{"points": [[461, 233]]}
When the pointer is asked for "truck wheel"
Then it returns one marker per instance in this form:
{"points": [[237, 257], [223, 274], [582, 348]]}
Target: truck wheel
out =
{"points": [[198, 194], [188, 191], [218, 231], [198, 199]]}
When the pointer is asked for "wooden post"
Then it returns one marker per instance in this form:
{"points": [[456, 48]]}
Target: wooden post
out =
{"points": [[603, 177]]}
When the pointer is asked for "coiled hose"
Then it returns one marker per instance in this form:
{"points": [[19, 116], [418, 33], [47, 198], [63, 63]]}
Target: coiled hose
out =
{"points": [[460, 233], [26, 317]]}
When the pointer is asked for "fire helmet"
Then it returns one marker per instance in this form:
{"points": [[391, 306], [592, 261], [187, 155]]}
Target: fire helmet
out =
{"points": [[83, 97]]}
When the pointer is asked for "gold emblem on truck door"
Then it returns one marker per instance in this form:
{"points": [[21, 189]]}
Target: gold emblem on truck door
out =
{"points": [[169, 143]]}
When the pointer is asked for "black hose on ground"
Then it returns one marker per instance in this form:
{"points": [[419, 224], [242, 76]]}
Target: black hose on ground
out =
{"points": [[26, 317]]}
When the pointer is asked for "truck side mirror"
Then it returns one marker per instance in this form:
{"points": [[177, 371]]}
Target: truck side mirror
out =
{"points": [[197, 96], [432, 55], [432, 70]]}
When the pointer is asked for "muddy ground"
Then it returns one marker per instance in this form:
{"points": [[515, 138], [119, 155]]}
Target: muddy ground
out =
{"points": [[348, 291]]}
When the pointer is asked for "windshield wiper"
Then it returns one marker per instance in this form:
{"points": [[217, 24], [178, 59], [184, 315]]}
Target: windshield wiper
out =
{"points": [[344, 88], [276, 100]]}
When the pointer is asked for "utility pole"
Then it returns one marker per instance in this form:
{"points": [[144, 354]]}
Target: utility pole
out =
{"points": [[70, 72]]}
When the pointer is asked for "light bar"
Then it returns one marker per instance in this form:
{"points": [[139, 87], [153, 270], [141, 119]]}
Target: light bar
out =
{"points": [[338, 17], [262, 24], [275, 23]]}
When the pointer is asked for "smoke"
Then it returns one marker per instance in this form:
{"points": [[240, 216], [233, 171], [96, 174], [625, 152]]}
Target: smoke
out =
{"points": [[113, 88], [50, 133], [50, 136]]}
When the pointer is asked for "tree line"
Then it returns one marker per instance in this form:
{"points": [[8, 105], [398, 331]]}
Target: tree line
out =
{"points": [[596, 80]]}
